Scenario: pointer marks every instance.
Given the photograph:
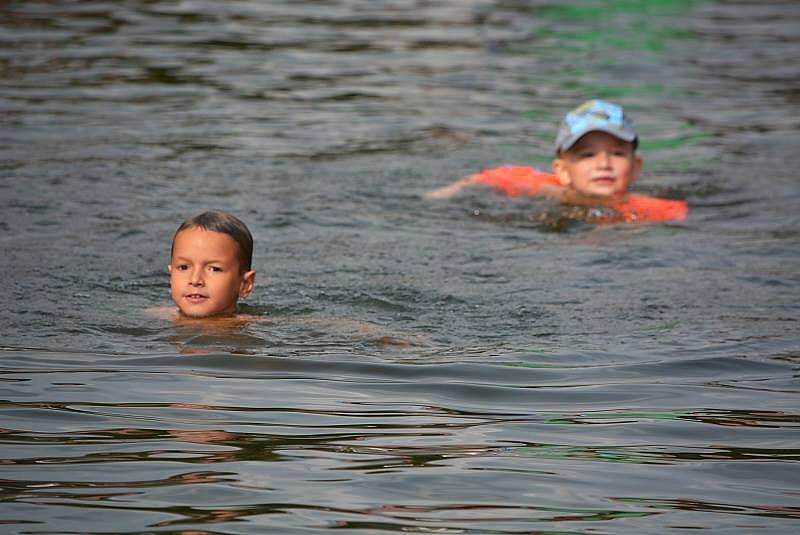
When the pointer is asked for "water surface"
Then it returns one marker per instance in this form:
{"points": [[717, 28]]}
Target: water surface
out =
{"points": [[560, 378]]}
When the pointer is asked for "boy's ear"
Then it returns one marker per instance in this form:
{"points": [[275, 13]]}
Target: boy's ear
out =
{"points": [[169, 268], [246, 286], [560, 170], [637, 168]]}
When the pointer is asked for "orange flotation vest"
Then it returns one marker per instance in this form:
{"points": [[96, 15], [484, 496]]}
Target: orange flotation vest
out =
{"points": [[518, 180]]}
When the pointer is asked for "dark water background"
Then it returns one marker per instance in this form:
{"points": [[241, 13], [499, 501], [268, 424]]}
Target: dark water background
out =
{"points": [[562, 378]]}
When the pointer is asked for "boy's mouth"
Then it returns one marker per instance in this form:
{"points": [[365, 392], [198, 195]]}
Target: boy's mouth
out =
{"points": [[196, 298], [604, 180]]}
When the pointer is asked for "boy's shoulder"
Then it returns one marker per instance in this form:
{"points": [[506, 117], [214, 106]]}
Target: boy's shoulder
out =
{"points": [[517, 180]]}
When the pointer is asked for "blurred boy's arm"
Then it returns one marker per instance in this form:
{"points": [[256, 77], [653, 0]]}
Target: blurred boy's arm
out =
{"points": [[445, 192], [367, 331], [554, 192]]}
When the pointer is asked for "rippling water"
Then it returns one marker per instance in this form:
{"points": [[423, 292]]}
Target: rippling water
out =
{"points": [[517, 375]]}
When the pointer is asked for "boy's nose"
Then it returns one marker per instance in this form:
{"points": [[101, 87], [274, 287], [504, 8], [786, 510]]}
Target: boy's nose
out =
{"points": [[603, 159], [196, 278]]}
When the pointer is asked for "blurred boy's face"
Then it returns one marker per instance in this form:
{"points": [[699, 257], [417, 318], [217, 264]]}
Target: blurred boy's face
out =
{"points": [[599, 165], [205, 274]]}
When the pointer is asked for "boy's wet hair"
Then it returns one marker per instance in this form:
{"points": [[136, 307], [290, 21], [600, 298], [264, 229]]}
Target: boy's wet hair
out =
{"points": [[219, 221]]}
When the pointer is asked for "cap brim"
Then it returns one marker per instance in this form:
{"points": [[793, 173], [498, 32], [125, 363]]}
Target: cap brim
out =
{"points": [[630, 137]]}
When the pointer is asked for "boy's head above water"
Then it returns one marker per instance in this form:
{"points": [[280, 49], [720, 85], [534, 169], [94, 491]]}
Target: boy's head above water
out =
{"points": [[210, 264], [596, 150]]}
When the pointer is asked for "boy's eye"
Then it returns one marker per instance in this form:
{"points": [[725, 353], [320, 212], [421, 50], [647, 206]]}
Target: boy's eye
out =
{"points": [[215, 269], [182, 267]]}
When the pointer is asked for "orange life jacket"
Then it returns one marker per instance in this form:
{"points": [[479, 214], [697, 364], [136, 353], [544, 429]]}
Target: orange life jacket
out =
{"points": [[518, 180]]}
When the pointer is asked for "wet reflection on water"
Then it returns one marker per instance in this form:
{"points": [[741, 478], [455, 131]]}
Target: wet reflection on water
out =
{"points": [[474, 366]]}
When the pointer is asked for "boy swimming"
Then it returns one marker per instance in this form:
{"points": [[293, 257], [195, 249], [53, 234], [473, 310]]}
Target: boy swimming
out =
{"points": [[596, 161], [210, 269], [211, 265]]}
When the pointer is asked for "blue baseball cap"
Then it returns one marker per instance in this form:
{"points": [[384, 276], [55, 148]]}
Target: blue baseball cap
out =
{"points": [[594, 115]]}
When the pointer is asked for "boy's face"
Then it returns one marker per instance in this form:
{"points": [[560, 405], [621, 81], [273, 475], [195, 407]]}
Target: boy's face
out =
{"points": [[599, 165], [205, 277]]}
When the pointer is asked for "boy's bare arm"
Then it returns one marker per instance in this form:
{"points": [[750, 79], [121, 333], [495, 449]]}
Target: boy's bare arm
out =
{"points": [[449, 190], [551, 191]]}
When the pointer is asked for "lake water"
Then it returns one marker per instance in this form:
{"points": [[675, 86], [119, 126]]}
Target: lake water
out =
{"points": [[560, 377]]}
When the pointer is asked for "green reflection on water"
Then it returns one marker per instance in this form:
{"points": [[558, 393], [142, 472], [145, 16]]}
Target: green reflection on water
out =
{"points": [[612, 91], [646, 36], [609, 454], [590, 9], [582, 39], [673, 142], [604, 25]]}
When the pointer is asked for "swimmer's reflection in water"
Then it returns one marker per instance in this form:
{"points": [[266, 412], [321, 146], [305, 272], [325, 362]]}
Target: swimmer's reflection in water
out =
{"points": [[210, 270]]}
